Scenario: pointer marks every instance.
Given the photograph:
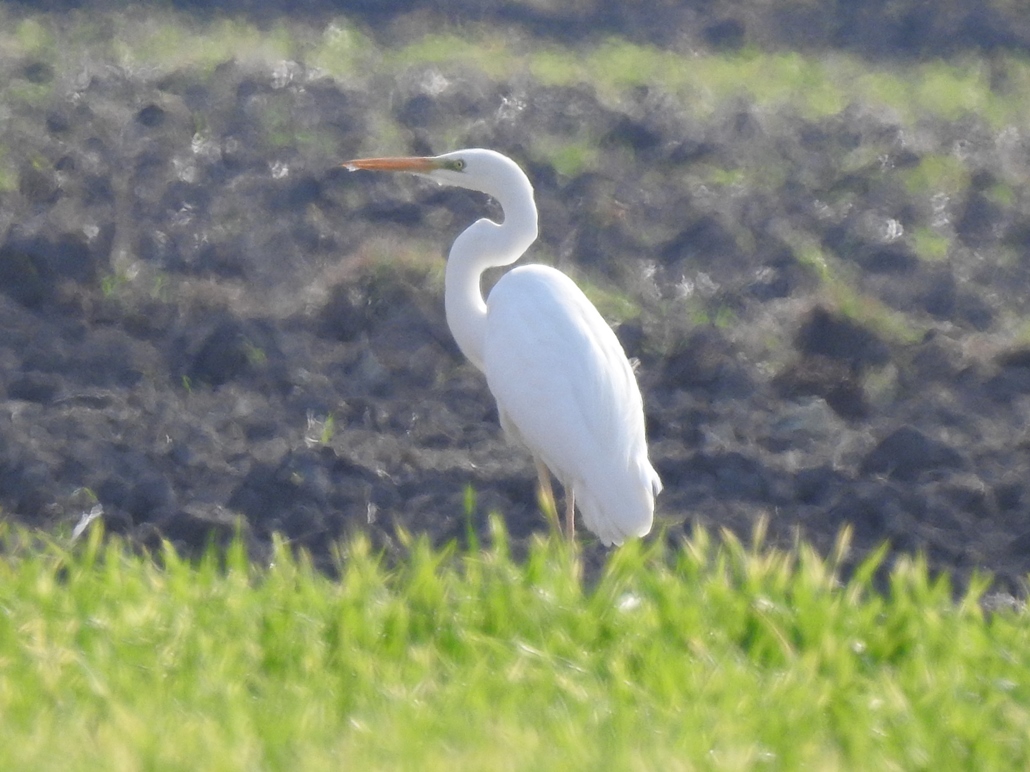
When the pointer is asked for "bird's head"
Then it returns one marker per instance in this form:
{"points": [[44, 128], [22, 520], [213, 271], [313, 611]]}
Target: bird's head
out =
{"points": [[477, 169]]}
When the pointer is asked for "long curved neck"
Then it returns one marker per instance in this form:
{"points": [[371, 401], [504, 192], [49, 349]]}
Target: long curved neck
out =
{"points": [[485, 244]]}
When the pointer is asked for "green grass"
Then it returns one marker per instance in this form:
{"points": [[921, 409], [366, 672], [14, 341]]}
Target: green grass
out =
{"points": [[568, 156], [8, 174], [813, 86], [705, 83], [31, 37], [712, 656], [840, 290], [935, 174], [341, 50], [173, 41], [929, 245], [616, 306]]}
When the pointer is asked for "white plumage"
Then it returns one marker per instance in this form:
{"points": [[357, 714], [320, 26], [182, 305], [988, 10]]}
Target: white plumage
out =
{"points": [[564, 387]]}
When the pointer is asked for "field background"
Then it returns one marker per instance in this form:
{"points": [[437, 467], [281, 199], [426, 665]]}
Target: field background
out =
{"points": [[808, 222]]}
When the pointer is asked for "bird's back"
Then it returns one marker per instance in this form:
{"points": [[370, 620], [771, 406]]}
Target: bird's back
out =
{"points": [[565, 389]]}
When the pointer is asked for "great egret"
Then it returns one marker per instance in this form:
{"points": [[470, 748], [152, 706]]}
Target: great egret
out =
{"points": [[563, 385]]}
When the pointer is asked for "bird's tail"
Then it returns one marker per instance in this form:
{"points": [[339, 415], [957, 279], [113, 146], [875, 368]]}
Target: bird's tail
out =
{"points": [[620, 505]]}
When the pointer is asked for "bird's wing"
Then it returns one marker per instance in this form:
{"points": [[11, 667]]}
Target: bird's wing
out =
{"points": [[559, 374]]}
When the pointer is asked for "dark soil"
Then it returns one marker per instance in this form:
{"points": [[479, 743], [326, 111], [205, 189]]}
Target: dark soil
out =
{"points": [[204, 320]]}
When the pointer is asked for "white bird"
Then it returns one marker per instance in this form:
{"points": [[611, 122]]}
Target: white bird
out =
{"points": [[564, 387]]}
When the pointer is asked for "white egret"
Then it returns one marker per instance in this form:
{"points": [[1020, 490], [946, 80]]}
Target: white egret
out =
{"points": [[564, 387]]}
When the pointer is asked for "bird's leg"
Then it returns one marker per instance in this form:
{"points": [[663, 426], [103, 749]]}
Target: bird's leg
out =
{"points": [[545, 494], [570, 514]]}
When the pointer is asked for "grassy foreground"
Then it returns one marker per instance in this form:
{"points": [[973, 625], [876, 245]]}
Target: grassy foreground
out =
{"points": [[712, 657]]}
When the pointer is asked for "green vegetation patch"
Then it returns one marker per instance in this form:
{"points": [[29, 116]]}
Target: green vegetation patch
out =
{"points": [[616, 306], [342, 51], [568, 156], [485, 49], [8, 174], [176, 42], [31, 37], [930, 245], [841, 291], [711, 655], [936, 173]]}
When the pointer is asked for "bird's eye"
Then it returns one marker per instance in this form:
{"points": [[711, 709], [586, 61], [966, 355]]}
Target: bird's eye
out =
{"points": [[458, 164]]}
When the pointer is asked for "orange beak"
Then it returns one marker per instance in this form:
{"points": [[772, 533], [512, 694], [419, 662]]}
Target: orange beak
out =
{"points": [[410, 164]]}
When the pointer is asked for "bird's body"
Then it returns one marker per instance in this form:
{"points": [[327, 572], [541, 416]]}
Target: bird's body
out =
{"points": [[566, 391], [564, 387]]}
